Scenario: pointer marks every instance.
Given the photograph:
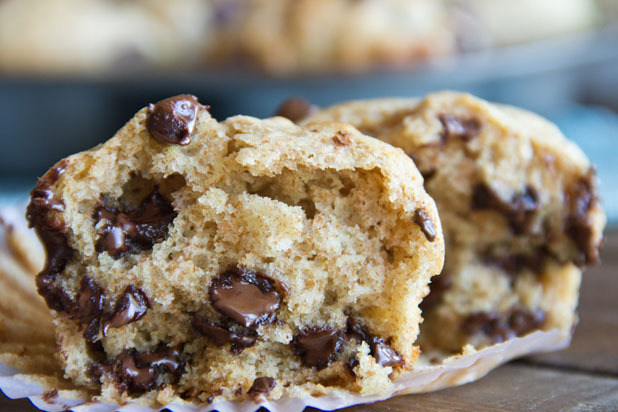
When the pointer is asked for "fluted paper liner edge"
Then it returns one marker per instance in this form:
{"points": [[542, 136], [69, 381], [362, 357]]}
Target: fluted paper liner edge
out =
{"points": [[455, 370]]}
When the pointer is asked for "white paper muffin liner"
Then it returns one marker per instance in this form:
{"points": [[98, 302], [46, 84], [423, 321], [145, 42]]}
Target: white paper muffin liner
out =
{"points": [[452, 371]]}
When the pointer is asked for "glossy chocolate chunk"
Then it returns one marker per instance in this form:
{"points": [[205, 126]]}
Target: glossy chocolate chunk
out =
{"points": [[439, 285], [89, 308], [318, 347], [43, 214], [172, 120], [379, 349], [221, 335], [422, 219], [582, 197], [457, 128], [296, 109], [131, 306], [501, 327], [140, 372], [261, 386], [385, 355], [244, 296], [131, 232], [520, 211]]}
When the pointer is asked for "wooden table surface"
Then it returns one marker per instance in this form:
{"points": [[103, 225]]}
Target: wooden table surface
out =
{"points": [[583, 377]]}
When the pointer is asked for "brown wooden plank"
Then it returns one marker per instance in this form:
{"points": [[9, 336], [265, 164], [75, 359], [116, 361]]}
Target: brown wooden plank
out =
{"points": [[513, 388], [15, 405], [595, 342]]}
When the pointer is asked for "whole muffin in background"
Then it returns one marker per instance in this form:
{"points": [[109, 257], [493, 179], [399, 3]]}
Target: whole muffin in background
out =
{"points": [[192, 260], [519, 206]]}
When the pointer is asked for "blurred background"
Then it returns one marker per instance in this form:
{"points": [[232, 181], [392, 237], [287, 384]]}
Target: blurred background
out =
{"points": [[74, 71]]}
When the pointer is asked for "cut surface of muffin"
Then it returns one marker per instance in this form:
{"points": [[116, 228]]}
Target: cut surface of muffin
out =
{"points": [[190, 260], [519, 206]]}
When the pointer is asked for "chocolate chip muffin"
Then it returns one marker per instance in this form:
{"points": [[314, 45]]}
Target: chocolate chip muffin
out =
{"points": [[518, 204], [194, 260]]}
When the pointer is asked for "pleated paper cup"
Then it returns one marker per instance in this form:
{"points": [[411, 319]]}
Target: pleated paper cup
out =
{"points": [[30, 369]]}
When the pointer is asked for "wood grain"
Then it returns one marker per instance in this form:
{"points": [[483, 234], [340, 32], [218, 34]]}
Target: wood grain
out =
{"points": [[583, 377]]}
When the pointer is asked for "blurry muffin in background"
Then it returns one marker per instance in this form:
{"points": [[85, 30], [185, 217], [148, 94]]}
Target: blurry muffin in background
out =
{"points": [[488, 23], [275, 36], [84, 36], [285, 36]]}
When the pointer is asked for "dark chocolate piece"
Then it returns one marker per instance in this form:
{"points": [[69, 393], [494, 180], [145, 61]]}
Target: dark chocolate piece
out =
{"points": [[130, 232], [261, 386], [422, 219], [501, 327], [582, 197], [221, 335], [137, 372], [172, 120], [318, 347], [90, 301], [437, 287], [43, 214], [514, 264], [296, 109], [131, 306], [245, 297], [379, 349], [519, 212], [457, 128]]}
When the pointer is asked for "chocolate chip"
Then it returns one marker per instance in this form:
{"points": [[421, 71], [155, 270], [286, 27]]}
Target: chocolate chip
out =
{"points": [[261, 386], [582, 197], [385, 355], [43, 214], [422, 219], [318, 347], [172, 120], [244, 296], [379, 349], [90, 301], [514, 264], [439, 285], [501, 327], [296, 109], [341, 138], [138, 372], [130, 232], [352, 363], [457, 128], [221, 335], [130, 307], [520, 211]]}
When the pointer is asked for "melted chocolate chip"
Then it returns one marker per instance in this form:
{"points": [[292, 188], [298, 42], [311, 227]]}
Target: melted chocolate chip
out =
{"points": [[582, 198], [385, 355], [261, 386], [457, 128], [514, 264], [379, 349], [318, 347], [439, 285], [130, 307], [245, 297], [134, 231], [520, 211], [43, 214], [172, 120], [501, 327], [89, 308], [221, 335], [295, 109], [422, 219], [139, 372]]}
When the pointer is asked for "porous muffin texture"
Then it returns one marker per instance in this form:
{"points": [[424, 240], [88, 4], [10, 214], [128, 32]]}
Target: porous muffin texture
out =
{"points": [[190, 260], [519, 207]]}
